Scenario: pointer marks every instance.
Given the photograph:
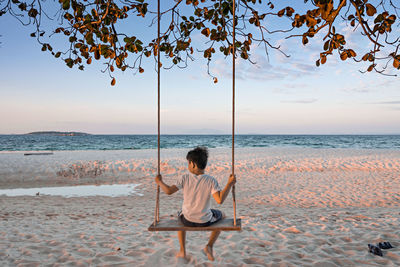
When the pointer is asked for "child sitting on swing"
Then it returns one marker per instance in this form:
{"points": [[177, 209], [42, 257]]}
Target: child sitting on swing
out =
{"points": [[197, 189]]}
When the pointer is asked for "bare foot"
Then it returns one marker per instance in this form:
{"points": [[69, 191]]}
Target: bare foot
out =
{"points": [[209, 252], [181, 254]]}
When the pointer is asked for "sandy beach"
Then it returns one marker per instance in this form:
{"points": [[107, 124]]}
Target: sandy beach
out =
{"points": [[299, 207]]}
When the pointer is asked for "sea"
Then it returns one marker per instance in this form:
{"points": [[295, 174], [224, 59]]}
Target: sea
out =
{"points": [[129, 142]]}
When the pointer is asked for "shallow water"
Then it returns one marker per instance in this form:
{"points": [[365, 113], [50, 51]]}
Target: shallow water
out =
{"points": [[131, 142], [115, 190]]}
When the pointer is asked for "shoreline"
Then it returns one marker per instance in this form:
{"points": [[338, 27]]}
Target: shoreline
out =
{"points": [[210, 148], [299, 168]]}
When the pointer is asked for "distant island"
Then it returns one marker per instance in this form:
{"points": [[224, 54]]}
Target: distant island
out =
{"points": [[55, 133]]}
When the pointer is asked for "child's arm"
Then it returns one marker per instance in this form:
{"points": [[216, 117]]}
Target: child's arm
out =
{"points": [[220, 196], [169, 190]]}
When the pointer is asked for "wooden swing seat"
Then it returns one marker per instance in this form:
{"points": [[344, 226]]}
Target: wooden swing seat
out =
{"points": [[176, 225]]}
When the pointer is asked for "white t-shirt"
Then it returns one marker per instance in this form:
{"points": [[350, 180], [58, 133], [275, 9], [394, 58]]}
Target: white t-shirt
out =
{"points": [[197, 190]]}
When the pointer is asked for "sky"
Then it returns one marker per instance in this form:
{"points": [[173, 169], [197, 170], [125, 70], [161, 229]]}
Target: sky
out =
{"points": [[277, 95]]}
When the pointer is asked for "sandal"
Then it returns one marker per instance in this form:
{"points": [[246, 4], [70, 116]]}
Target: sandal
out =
{"points": [[385, 245], [375, 250]]}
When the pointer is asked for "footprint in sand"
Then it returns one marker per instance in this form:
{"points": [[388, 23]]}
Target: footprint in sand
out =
{"points": [[134, 253], [292, 230]]}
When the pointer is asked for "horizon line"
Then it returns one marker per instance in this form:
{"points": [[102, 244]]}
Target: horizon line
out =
{"points": [[222, 134]]}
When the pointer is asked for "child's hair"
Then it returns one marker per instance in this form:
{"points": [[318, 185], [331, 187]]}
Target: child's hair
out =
{"points": [[199, 156]]}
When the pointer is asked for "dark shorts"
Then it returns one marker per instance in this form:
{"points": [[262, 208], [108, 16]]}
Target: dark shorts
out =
{"points": [[217, 216]]}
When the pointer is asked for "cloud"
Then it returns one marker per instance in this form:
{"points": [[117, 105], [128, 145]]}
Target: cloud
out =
{"points": [[361, 87], [295, 85], [274, 66], [264, 70], [290, 88], [389, 105], [357, 90], [386, 103], [372, 83], [301, 101]]}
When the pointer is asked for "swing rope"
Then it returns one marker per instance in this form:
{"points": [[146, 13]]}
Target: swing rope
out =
{"points": [[157, 210], [233, 108]]}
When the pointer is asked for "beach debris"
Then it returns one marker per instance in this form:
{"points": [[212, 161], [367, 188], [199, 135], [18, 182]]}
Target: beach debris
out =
{"points": [[375, 250], [38, 153], [292, 230], [37, 193], [82, 169]]}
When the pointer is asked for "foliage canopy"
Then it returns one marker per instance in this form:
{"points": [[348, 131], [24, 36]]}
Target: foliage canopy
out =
{"points": [[91, 28]]}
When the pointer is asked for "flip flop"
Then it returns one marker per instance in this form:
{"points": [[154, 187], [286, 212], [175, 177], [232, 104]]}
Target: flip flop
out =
{"points": [[385, 245], [375, 250]]}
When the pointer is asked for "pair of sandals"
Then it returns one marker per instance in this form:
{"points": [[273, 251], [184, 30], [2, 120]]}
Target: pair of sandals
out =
{"points": [[377, 250]]}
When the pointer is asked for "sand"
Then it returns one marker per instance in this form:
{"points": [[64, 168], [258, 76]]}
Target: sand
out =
{"points": [[299, 207]]}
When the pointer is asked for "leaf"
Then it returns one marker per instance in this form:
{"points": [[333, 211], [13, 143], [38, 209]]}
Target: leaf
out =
{"points": [[396, 63], [22, 6], [289, 11], [69, 62], [113, 82], [326, 45], [371, 67], [371, 57], [352, 53], [206, 32], [111, 68], [141, 70], [57, 55], [215, 79], [305, 40], [392, 19], [371, 10], [323, 59], [317, 63], [281, 12], [97, 54], [66, 4], [378, 19], [343, 55], [32, 13]]}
